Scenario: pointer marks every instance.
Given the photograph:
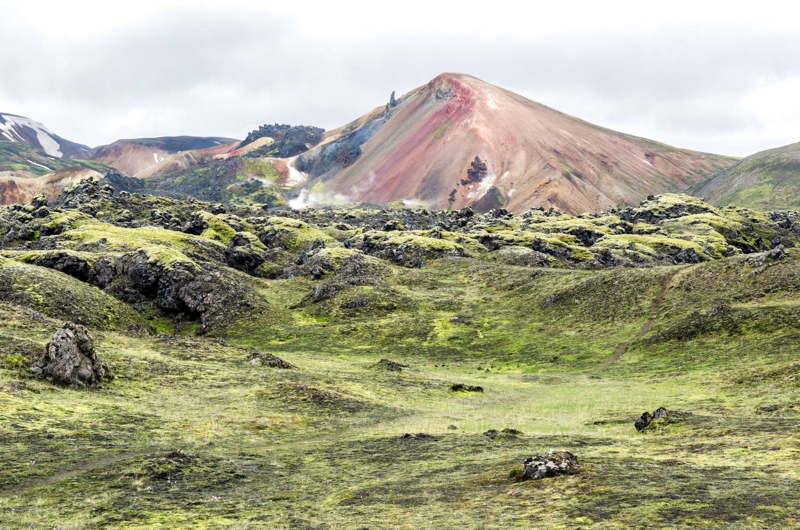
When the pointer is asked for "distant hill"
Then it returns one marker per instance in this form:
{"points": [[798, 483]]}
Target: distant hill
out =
{"points": [[459, 141], [148, 157], [767, 180], [26, 171]]}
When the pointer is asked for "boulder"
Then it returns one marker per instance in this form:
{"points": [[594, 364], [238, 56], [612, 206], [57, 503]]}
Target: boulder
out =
{"points": [[552, 464], [70, 358], [257, 358], [461, 387], [643, 421], [648, 420]]}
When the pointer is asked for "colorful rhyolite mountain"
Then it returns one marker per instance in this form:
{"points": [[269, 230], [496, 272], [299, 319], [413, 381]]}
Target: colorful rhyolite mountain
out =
{"points": [[459, 141], [150, 157]]}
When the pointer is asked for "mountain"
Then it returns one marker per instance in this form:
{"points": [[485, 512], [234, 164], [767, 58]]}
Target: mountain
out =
{"points": [[26, 171], [459, 141], [22, 188], [148, 157], [765, 180], [15, 128]]}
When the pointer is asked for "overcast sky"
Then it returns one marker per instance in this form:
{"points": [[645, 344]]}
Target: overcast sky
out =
{"points": [[702, 75]]}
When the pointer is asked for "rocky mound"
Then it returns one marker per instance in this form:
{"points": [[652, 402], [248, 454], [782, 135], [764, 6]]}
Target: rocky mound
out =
{"points": [[70, 358], [257, 358], [551, 464]]}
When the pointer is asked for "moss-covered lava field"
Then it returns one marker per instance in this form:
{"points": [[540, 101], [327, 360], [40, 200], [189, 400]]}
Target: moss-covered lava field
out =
{"points": [[572, 326]]}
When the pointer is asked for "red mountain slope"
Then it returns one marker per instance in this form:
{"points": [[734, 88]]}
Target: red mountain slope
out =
{"points": [[424, 147]]}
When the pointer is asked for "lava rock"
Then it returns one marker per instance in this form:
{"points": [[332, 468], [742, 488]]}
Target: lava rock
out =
{"points": [[552, 464], [460, 387], [418, 436], [643, 421], [70, 358], [505, 433]]}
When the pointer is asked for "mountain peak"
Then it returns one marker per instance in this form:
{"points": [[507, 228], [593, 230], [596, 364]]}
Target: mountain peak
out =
{"points": [[422, 150]]}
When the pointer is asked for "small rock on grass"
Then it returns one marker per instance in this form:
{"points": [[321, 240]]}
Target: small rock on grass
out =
{"points": [[460, 387], [646, 419], [418, 436], [257, 358], [551, 464], [389, 365], [505, 433]]}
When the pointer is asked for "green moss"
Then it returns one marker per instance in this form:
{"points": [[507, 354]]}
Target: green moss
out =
{"points": [[298, 235], [14, 360], [218, 229], [60, 296]]}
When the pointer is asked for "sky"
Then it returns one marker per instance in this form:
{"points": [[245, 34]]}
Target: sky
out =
{"points": [[721, 77]]}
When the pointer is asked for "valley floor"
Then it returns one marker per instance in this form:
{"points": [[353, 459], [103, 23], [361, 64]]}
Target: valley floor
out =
{"points": [[192, 435]]}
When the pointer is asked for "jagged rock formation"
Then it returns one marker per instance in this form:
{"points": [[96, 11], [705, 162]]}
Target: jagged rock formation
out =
{"points": [[70, 358]]}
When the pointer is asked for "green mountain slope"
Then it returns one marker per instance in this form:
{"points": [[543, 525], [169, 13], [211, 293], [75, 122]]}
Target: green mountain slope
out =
{"points": [[16, 156], [766, 180]]}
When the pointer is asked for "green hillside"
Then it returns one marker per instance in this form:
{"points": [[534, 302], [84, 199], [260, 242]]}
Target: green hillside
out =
{"points": [[571, 325], [765, 181], [15, 156]]}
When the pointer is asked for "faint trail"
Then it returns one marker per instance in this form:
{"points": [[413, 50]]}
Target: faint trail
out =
{"points": [[66, 474], [654, 310]]}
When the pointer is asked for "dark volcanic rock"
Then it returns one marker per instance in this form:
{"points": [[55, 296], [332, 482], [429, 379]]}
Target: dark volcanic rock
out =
{"points": [[505, 433], [70, 358], [240, 253], [643, 421], [659, 416], [476, 172], [418, 436], [67, 263], [552, 464], [460, 387]]}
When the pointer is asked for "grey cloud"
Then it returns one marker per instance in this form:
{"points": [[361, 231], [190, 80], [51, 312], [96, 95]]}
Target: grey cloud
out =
{"points": [[226, 73]]}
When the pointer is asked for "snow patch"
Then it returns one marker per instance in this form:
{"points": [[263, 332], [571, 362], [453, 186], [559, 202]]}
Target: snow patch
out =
{"points": [[35, 164]]}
